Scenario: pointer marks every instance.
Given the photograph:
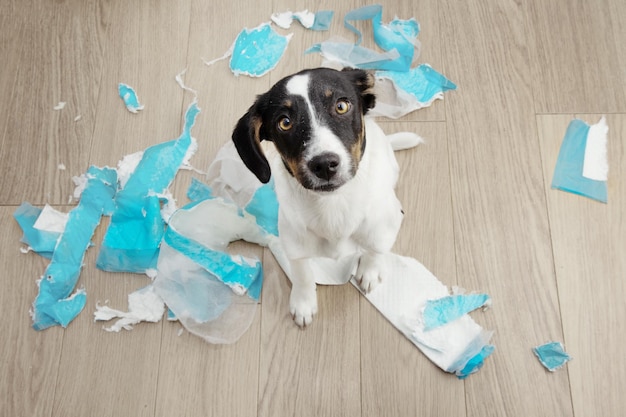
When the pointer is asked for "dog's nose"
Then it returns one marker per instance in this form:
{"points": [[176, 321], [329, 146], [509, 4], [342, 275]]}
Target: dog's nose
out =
{"points": [[325, 165]]}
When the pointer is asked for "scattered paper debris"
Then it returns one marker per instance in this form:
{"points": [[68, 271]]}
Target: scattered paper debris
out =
{"points": [[61, 167], [60, 106], [129, 96], [78, 117], [574, 160], [143, 305], [552, 355], [319, 21]]}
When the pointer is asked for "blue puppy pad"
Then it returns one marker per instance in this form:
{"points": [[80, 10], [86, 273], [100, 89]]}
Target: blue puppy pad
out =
{"points": [[552, 355], [568, 172], [54, 305], [131, 243], [423, 82]]}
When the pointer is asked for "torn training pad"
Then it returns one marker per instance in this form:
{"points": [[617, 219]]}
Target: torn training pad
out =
{"points": [[398, 39], [54, 305], [40, 241], [131, 243], [212, 293], [129, 96], [582, 167], [552, 355], [257, 51]]}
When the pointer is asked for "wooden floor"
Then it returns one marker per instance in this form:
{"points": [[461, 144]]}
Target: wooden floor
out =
{"points": [[480, 212]]}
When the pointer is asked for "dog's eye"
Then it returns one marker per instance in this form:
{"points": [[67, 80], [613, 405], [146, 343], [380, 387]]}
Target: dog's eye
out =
{"points": [[342, 106], [285, 124]]}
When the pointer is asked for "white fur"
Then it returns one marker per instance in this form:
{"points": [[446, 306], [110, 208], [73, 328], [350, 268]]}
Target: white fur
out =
{"points": [[362, 215]]}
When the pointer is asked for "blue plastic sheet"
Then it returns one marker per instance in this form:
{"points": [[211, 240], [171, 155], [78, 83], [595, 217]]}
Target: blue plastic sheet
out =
{"points": [[131, 243], [568, 172], [552, 355], [257, 51], [129, 96], [54, 305], [475, 363], [323, 19]]}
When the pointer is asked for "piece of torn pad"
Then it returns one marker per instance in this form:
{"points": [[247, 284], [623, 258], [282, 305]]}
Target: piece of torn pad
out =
{"points": [[582, 164], [37, 239], [443, 310], [131, 243], [552, 355], [129, 96], [255, 51], [399, 93], [54, 305], [319, 21]]}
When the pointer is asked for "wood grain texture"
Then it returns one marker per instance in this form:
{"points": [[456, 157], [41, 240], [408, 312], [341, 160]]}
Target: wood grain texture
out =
{"points": [[479, 212], [502, 236], [578, 64], [589, 243]]}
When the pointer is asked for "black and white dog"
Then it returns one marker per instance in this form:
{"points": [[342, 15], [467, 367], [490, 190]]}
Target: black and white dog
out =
{"points": [[335, 174]]}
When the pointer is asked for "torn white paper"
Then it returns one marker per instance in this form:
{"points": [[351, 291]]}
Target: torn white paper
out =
{"points": [[596, 163], [143, 305]]}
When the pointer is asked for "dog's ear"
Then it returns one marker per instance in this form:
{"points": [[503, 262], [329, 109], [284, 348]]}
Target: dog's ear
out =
{"points": [[247, 139], [364, 81]]}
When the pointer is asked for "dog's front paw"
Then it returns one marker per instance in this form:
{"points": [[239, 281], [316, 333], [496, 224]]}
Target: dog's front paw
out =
{"points": [[370, 272], [303, 305]]}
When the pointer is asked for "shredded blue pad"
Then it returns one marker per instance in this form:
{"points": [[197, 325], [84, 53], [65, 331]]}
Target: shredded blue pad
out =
{"points": [[423, 82], [198, 191], [552, 355], [477, 362], [131, 243], [257, 51], [128, 95], [399, 35], [568, 172], [54, 305], [444, 310], [40, 241]]}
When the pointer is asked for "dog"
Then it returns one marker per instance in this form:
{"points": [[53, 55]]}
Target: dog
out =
{"points": [[335, 175]]}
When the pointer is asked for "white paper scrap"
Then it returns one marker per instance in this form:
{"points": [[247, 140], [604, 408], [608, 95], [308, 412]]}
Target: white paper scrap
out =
{"points": [[596, 163]]}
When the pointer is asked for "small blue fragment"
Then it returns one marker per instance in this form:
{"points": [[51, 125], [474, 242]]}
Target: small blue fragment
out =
{"points": [[568, 172], [423, 82], [323, 19], [257, 51], [446, 309], [40, 241], [477, 362], [128, 95], [552, 355]]}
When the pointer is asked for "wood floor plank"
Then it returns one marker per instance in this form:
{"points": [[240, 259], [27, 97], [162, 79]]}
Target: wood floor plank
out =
{"points": [[589, 243], [397, 379], [578, 64], [29, 360], [311, 372], [502, 236], [59, 60]]}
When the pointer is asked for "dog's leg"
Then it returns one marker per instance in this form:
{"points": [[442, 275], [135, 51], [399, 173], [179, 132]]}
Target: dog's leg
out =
{"points": [[303, 298], [371, 271]]}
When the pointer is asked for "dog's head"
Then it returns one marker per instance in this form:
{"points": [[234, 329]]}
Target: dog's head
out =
{"points": [[315, 119]]}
